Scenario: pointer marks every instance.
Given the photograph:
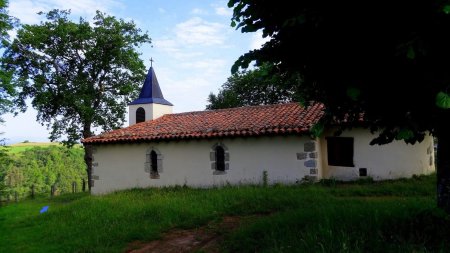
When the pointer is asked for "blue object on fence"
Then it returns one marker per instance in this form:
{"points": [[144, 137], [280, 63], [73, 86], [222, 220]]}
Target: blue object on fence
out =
{"points": [[44, 209]]}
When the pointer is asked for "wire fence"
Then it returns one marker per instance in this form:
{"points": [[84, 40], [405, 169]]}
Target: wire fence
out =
{"points": [[52, 191]]}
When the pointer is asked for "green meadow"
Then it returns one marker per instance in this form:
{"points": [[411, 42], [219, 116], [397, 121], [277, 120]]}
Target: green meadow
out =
{"points": [[365, 216], [18, 148]]}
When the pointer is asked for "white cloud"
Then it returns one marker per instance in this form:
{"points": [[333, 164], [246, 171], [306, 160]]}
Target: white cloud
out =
{"points": [[257, 40], [161, 10], [175, 49], [198, 11], [194, 72], [195, 91], [169, 46], [211, 65], [187, 93], [222, 11], [26, 10], [86, 6], [200, 32]]}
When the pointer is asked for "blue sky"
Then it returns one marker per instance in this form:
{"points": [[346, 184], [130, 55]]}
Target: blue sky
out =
{"points": [[193, 47]]}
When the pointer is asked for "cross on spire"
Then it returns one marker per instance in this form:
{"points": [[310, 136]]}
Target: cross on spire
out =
{"points": [[150, 91], [151, 62]]}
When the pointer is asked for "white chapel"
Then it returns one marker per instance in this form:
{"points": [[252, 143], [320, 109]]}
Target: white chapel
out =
{"points": [[239, 146]]}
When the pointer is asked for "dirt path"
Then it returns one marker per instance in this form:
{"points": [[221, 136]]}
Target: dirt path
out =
{"points": [[204, 239]]}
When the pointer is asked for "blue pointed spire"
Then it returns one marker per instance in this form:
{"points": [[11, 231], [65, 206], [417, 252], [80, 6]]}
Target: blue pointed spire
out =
{"points": [[151, 92]]}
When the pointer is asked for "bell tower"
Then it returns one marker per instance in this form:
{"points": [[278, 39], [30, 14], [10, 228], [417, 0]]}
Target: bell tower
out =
{"points": [[151, 103]]}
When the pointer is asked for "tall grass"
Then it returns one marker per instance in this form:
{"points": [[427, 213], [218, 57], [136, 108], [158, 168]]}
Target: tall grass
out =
{"points": [[369, 217]]}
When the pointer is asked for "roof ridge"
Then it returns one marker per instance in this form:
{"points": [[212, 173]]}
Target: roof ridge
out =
{"points": [[234, 108], [273, 119]]}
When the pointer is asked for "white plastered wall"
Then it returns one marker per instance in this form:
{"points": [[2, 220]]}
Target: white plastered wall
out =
{"points": [[122, 166], [152, 111], [389, 161]]}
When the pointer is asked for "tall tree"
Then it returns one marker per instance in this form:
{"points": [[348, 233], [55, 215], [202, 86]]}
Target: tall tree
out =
{"points": [[260, 86], [7, 91], [388, 59], [6, 22], [79, 76]]}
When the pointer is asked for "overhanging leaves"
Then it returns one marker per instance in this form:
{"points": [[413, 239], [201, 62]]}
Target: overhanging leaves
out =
{"points": [[443, 100]]}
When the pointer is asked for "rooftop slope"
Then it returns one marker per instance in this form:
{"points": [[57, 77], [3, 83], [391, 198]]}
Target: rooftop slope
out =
{"points": [[277, 119]]}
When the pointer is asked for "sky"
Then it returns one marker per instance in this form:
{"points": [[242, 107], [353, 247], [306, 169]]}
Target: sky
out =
{"points": [[193, 48]]}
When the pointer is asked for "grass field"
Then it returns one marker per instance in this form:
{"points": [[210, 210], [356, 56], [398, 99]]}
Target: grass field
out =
{"points": [[22, 146], [397, 216]]}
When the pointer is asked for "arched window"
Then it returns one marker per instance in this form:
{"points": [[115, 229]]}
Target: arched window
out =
{"points": [[220, 158], [154, 162], [140, 115]]}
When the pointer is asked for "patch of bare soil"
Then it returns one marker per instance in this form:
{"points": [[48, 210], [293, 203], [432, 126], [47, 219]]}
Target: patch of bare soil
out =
{"points": [[203, 239]]}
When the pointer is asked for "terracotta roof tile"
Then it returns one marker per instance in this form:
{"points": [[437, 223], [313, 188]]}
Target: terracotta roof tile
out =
{"points": [[277, 119]]}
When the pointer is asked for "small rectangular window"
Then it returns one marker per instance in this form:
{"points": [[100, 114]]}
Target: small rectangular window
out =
{"points": [[220, 158], [340, 151], [363, 172]]}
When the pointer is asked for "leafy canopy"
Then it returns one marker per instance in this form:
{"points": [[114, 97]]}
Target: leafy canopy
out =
{"points": [[386, 58], [7, 91], [6, 22], [79, 75], [260, 86], [41, 168]]}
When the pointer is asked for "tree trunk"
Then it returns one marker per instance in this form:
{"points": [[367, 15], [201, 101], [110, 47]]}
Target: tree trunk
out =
{"points": [[88, 155], [443, 166]]}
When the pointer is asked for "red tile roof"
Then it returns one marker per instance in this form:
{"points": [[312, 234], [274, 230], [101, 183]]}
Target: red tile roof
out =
{"points": [[235, 122]]}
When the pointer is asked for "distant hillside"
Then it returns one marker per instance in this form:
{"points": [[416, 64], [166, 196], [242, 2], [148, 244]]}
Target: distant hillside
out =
{"points": [[24, 166], [22, 146]]}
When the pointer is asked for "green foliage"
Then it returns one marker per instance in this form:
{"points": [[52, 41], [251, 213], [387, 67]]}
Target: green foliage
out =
{"points": [[317, 130], [265, 178], [353, 93], [260, 86], [7, 91], [6, 23], [41, 167], [446, 9], [79, 75], [392, 216], [443, 100], [392, 54], [404, 134], [394, 65]]}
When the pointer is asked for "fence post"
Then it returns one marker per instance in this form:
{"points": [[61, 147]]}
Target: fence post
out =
{"points": [[16, 196], [52, 191], [84, 185], [32, 191], [74, 187]]}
